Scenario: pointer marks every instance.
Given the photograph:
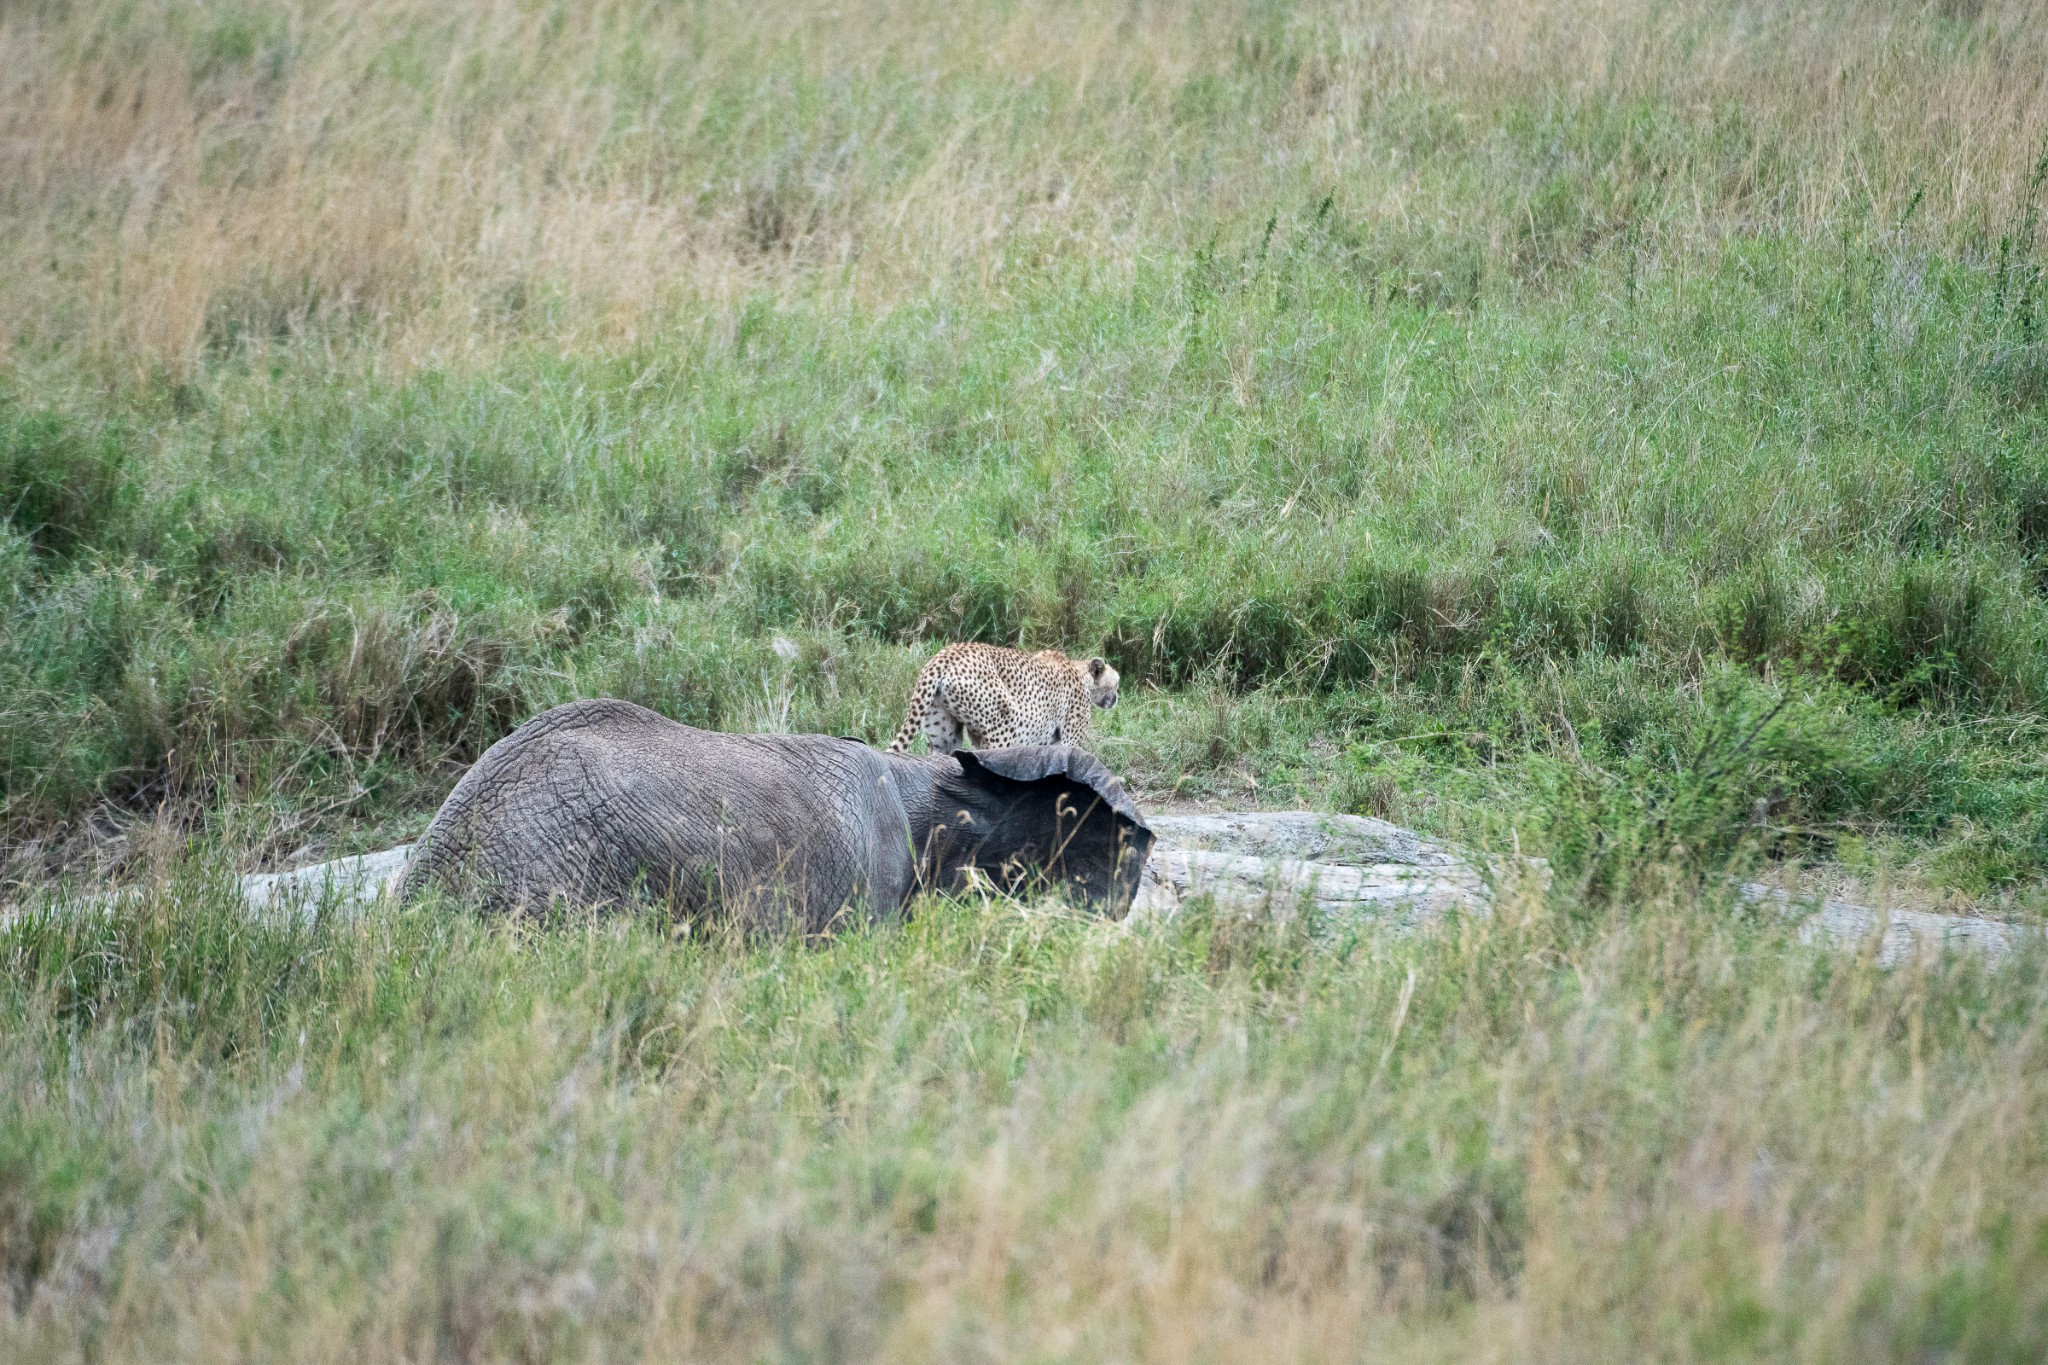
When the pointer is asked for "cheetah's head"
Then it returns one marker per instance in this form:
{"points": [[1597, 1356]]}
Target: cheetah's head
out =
{"points": [[1102, 681]]}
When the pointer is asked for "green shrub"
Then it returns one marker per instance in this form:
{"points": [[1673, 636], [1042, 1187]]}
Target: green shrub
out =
{"points": [[63, 484]]}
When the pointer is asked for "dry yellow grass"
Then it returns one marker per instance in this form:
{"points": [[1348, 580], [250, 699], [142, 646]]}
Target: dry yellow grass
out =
{"points": [[432, 180]]}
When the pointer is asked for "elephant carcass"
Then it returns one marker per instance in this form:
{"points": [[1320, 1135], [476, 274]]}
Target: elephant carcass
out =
{"points": [[604, 801]]}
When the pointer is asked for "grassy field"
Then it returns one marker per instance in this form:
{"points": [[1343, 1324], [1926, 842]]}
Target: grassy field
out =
{"points": [[1613, 429]]}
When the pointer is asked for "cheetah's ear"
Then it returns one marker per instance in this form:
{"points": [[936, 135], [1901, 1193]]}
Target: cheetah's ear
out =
{"points": [[1095, 667]]}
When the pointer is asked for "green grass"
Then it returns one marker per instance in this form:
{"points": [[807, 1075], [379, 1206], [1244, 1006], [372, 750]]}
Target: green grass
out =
{"points": [[1337, 542]]}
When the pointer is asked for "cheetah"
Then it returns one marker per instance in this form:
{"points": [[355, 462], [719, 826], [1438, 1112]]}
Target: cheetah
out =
{"points": [[1000, 697]]}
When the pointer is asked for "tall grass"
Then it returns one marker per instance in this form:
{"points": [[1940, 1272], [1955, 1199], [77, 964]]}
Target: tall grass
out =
{"points": [[436, 182], [1008, 1133]]}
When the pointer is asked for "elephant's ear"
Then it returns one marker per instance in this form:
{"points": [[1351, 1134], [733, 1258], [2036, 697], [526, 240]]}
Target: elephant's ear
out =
{"points": [[1037, 762]]}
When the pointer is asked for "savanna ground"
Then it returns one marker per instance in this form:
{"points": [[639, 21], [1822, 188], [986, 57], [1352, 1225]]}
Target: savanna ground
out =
{"points": [[1617, 430]]}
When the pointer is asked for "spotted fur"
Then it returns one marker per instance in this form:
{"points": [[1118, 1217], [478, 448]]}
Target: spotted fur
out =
{"points": [[1001, 697]]}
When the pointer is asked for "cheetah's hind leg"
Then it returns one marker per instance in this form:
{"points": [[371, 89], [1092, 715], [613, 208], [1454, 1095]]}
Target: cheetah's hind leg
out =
{"points": [[941, 730]]}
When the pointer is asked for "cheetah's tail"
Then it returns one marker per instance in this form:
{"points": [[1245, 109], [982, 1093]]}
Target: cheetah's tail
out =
{"points": [[921, 694]]}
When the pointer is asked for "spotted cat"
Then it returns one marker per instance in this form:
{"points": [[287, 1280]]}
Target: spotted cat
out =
{"points": [[1001, 697]]}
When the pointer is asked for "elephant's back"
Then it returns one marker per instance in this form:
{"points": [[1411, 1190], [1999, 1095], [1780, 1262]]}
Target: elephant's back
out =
{"points": [[595, 799], [513, 826]]}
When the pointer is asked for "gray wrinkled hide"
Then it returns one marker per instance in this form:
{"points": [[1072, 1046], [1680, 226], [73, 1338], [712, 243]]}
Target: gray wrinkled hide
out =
{"points": [[603, 801]]}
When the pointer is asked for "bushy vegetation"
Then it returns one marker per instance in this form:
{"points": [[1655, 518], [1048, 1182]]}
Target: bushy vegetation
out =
{"points": [[1615, 431]]}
